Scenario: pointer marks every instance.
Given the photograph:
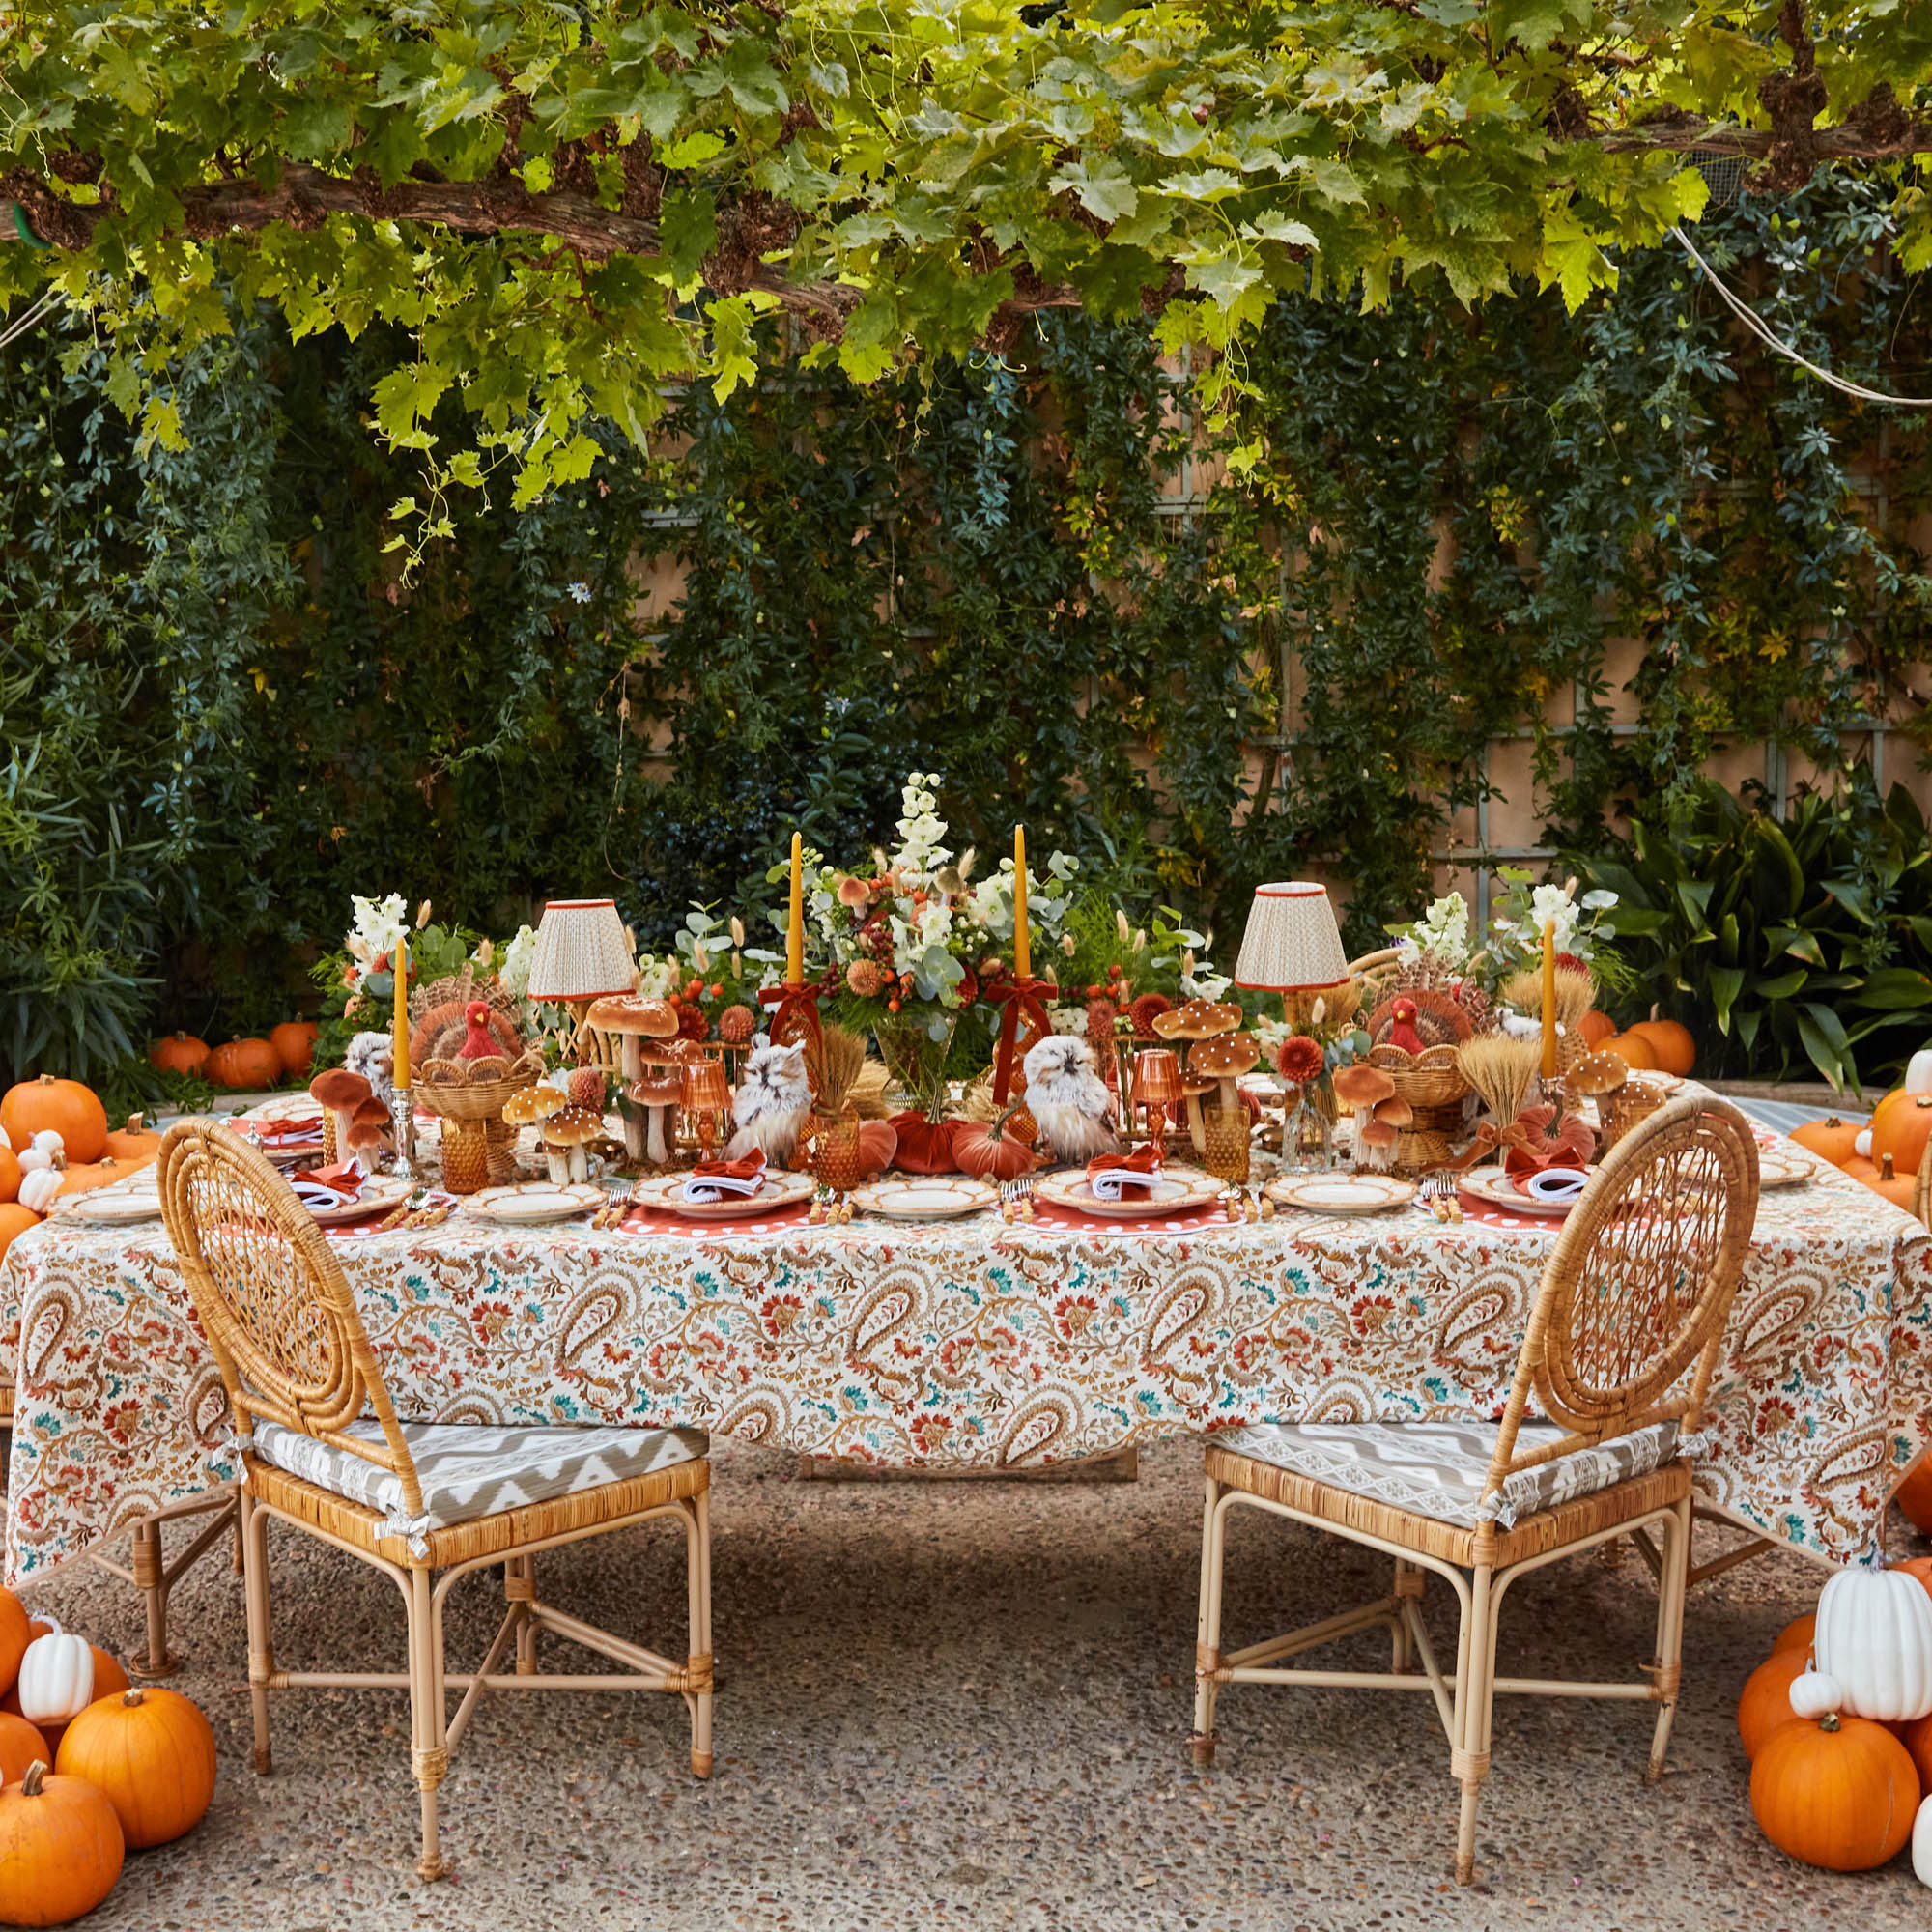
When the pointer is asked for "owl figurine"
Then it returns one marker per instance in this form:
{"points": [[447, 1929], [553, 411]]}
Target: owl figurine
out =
{"points": [[1067, 1096], [771, 1105]]}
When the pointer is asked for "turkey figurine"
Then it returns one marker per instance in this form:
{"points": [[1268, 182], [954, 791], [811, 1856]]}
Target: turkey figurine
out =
{"points": [[1067, 1096], [478, 1042], [1402, 1031]]}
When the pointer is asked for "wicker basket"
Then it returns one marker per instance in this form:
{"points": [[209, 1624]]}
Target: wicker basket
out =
{"points": [[1430, 1078], [1429, 1141], [482, 1099]]}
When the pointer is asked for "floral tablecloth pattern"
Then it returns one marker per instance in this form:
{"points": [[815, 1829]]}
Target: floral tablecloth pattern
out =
{"points": [[967, 1343]]}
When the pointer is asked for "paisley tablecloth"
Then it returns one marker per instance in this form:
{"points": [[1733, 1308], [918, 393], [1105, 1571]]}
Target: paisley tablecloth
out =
{"points": [[969, 1342]]}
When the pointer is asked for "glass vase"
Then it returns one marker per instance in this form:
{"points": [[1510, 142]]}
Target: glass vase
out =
{"points": [[915, 1052], [1226, 1137]]}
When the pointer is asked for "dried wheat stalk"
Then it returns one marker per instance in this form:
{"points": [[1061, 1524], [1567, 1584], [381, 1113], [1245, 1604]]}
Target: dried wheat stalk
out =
{"points": [[1576, 993], [841, 1056], [1500, 1068]]}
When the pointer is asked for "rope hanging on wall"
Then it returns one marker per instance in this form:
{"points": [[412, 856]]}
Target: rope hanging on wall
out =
{"points": [[1751, 320]]}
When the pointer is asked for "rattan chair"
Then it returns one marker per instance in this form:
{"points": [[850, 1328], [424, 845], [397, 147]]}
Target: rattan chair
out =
{"points": [[1922, 1188], [1619, 1350], [410, 1499]]}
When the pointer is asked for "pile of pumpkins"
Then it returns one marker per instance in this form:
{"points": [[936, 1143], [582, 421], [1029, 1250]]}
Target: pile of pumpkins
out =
{"points": [[55, 1140], [1838, 1725], [1650, 1046], [1884, 1151], [253, 1063], [90, 1767]]}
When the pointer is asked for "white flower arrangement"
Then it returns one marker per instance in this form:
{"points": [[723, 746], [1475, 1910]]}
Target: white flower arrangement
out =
{"points": [[378, 930], [513, 963]]}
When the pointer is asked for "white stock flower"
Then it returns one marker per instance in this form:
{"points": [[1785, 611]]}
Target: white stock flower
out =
{"points": [[379, 928], [513, 968]]}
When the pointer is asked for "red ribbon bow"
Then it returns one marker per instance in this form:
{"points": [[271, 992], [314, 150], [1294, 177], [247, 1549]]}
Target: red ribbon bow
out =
{"points": [[1016, 996], [748, 1169], [797, 1019]]}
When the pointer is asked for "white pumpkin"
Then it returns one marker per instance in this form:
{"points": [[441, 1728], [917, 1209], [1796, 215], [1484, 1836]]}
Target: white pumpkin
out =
{"points": [[50, 1142], [1813, 1694], [1862, 1145], [56, 1681], [1918, 1072], [1874, 1639], [35, 1160], [41, 1186]]}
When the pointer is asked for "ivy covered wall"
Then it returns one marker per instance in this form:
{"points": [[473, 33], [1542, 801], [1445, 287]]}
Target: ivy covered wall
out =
{"points": [[222, 715]]}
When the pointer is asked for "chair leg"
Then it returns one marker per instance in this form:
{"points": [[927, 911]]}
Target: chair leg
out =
{"points": [[1207, 1628], [429, 1738], [1401, 1648], [1475, 1701], [520, 1586], [1671, 1589], [252, 1539], [698, 1578]]}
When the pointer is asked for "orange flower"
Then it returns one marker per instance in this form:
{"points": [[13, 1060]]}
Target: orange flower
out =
{"points": [[1299, 1060]]}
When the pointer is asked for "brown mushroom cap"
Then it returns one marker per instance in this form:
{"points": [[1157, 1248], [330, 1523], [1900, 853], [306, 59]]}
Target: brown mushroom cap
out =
{"points": [[339, 1088], [1395, 1111], [1198, 1019], [572, 1127], [1361, 1085], [1225, 1056], [1598, 1072], [364, 1135], [633, 1013], [1378, 1133], [660, 1087], [370, 1113], [534, 1103], [1194, 1083]]}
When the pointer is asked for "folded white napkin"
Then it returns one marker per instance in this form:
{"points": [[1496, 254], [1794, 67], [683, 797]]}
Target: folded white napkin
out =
{"points": [[701, 1187], [319, 1200], [1107, 1185]]}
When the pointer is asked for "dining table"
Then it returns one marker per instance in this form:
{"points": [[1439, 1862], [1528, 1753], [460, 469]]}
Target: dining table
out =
{"points": [[969, 1342]]}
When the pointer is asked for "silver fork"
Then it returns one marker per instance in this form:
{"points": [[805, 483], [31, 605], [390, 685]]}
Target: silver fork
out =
{"points": [[1438, 1195]]}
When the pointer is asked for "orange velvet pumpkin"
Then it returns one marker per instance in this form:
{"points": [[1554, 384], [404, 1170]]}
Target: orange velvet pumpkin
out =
{"points": [[988, 1151], [61, 1849], [1829, 1139], [73, 1111], [1675, 1050], [1914, 1496], [1835, 1792], [1596, 1028], [178, 1053], [10, 1175], [151, 1754], [1900, 1127], [20, 1745], [1797, 1635], [136, 1141], [1634, 1050], [925, 1147], [14, 1220], [293, 1041], [17, 1633], [877, 1145], [244, 1063], [1766, 1702]]}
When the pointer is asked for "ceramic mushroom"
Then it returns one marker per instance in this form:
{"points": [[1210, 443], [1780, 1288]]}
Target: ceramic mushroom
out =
{"points": [[635, 1018], [1381, 1131], [568, 1133], [369, 1127], [1223, 1060], [532, 1106], [1361, 1090], [1196, 1021], [341, 1092]]}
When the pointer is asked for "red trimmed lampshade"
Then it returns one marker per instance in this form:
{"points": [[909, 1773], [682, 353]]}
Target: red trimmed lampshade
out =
{"points": [[1291, 940], [582, 952]]}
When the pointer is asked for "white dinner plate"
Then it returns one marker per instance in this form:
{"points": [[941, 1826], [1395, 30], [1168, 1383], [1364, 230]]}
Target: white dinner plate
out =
{"points": [[534, 1203], [934, 1197], [1491, 1187], [666, 1193], [1784, 1167], [380, 1192], [1178, 1189], [121, 1205], [1341, 1193]]}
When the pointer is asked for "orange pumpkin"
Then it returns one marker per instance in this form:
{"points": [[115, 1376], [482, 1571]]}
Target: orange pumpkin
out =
{"points": [[878, 1143], [17, 1633], [1765, 1704], [109, 1681], [1895, 1187], [1797, 1635], [1914, 1496], [1900, 1127], [1634, 1050], [20, 1745], [10, 1175], [14, 1220], [1596, 1028], [1675, 1049], [1860, 1167], [1916, 1738], [1829, 1139], [99, 1173], [136, 1141], [73, 1111], [151, 1754], [1837, 1791], [293, 1041], [61, 1849], [925, 1147], [180, 1053], [244, 1063], [987, 1151]]}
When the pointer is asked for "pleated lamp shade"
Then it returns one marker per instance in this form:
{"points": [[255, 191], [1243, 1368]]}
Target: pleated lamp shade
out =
{"points": [[581, 952], [1291, 940]]}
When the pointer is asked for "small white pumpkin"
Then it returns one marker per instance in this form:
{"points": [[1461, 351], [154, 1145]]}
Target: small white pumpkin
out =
{"points": [[7, 1140], [50, 1142], [56, 1681], [35, 1160], [1814, 1694], [1922, 1844], [1918, 1072], [39, 1187], [1862, 1145], [1874, 1639]]}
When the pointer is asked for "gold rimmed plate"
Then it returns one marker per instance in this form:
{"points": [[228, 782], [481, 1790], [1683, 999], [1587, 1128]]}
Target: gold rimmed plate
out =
{"points": [[534, 1203], [1176, 1190], [937, 1197], [1491, 1187], [1341, 1193], [379, 1194], [124, 1204], [1784, 1167], [664, 1193]]}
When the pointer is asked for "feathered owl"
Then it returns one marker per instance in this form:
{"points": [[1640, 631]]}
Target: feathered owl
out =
{"points": [[773, 1097], [1067, 1096], [373, 1054]]}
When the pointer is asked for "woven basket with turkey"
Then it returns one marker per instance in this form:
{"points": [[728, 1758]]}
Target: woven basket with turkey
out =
{"points": [[468, 1088]]}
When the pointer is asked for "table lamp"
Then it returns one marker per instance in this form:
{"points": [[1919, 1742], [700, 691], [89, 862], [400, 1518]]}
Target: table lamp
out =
{"points": [[582, 954], [1292, 942]]}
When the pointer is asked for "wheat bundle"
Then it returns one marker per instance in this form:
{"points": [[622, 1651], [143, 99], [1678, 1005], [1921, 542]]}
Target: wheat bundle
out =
{"points": [[1500, 1068]]}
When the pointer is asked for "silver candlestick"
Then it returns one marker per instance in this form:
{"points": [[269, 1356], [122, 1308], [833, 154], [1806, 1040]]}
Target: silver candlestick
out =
{"points": [[402, 1125]]}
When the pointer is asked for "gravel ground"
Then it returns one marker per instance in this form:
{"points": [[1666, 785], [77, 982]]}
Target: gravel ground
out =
{"points": [[967, 1704]]}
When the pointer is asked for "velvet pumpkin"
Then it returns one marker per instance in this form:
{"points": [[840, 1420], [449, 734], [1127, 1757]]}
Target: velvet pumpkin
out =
{"points": [[180, 1053], [151, 1754], [988, 1151], [1765, 1705], [923, 1146], [244, 1063], [1835, 1792], [293, 1041], [61, 1849], [878, 1143], [66, 1107]]}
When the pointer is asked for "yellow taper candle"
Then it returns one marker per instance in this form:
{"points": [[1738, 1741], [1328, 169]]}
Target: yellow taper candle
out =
{"points": [[1022, 939], [402, 1041], [795, 930], [1550, 1000]]}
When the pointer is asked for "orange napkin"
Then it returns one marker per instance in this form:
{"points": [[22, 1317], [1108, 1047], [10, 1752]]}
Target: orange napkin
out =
{"points": [[1118, 1167], [346, 1176]]}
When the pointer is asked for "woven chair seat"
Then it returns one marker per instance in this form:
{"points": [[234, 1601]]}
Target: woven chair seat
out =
{"points": [[470, 1471], [1439, 1470]]}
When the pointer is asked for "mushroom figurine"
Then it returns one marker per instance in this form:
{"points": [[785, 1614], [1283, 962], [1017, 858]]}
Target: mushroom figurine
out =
{"points": [[636, 1019], [1361, 1090], [369, 1127], [1223, 1060], [532, 1106], [567, 1136], [1381, 1131], [341, 1092], [1196, 1021], [658, 1092]]}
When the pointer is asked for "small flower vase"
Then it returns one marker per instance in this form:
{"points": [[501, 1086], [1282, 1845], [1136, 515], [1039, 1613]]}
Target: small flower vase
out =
{"points": [[1227, 1136], [837, 1157], [465, 1156]]}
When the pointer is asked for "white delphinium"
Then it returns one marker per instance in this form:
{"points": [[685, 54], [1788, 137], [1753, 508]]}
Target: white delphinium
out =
{"points": [[378, 929], [922, 849], [658, 975], [513, 965], [1444, 930]]}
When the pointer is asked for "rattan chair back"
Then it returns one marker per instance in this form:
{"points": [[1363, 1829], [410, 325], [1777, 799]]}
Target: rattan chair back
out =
{"points": [[1922, 1188], [272, 1298], [1634, 1298]]}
